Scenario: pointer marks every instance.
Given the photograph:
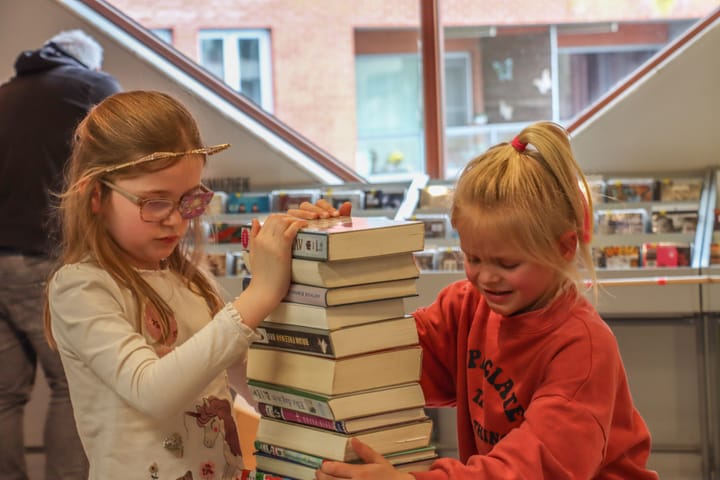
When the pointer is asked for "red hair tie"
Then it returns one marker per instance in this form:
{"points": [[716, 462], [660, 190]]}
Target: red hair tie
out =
{"points": [[518, 145]]}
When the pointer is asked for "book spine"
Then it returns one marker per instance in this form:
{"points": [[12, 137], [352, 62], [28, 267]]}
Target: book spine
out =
{"points": [[298, 293], [292, 401], [307, 295], [280, 413], [307, 342], [290, 455], [310, 245]]}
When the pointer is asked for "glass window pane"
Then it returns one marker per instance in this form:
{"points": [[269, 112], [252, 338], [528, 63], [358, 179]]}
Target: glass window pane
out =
{"points": [[211, 56], [249, 58], [532, 70]]}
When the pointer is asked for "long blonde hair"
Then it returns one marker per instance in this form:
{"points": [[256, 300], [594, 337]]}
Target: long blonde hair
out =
{"points": [[531, 192], [123, 127]]}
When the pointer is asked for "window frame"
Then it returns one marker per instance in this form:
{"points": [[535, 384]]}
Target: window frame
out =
{"points": [[231, 58]]}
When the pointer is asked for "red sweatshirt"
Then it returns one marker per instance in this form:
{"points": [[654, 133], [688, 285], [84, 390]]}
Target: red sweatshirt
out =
{"points": [[542, 394]]}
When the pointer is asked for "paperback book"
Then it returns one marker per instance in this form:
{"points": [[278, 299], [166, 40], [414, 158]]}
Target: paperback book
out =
{"points": [[336, 446], [397, 458], [342, 406], [328, 297], [344, 273], [353, 425]]}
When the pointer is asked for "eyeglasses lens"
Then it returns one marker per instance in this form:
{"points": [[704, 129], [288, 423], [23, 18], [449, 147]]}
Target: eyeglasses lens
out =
{"points": [[193, 204], [156, 210]]}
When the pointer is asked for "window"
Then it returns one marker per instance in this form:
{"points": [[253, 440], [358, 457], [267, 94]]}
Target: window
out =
{"points": [[164, 34], [242, 59]]}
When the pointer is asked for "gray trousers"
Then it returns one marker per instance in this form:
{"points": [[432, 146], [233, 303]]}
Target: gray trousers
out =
{"points": [[22, 348]]}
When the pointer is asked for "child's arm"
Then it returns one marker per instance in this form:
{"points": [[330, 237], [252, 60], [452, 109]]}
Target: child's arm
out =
{"points": [[270, 256], [374, 468]]}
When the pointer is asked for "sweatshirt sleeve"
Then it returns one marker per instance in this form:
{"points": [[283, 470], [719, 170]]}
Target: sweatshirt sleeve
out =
{"points": [[91, 327], [441, 330]]}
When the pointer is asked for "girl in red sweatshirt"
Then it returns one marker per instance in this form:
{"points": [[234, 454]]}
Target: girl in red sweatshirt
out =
{"points": [[535, 373]]}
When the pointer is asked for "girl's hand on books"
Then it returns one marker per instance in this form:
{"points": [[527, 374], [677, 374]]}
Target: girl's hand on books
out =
{"points": [[320, 209], [270, 256], [375, 467]]}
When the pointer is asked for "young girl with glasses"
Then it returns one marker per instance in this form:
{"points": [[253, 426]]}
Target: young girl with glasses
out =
{"points": [[142, 331], [535, 373]]}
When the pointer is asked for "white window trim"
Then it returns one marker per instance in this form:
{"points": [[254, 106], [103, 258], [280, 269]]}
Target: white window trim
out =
{"points": [[231, 58]]}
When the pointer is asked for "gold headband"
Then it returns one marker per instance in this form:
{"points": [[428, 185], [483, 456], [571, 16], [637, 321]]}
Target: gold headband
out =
{"points": [[160, 155]]}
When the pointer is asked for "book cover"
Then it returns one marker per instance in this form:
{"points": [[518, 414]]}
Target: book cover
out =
{"points": [[622, 221], [666, 254], [681, 189], [344, 273], [339, 316], [283, 200], [342, 426], [327, 297], [343, 406], [247, 203], [337, 197], [630, 189], [618, 256], [336, 446], [674, 218], [386, 198], [343, 342], [330, 376]]}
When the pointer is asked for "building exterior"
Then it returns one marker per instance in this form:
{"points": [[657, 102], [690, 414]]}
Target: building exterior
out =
{"points": [[347, 75]]}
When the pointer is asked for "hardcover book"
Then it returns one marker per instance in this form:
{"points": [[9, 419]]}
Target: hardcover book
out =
{"points": [[398, 458], [331, 376], [343, 406], [352, 425], [345, 238], [343, 342], [343, 273], [328, 297], [332, 318], [336, 446]]}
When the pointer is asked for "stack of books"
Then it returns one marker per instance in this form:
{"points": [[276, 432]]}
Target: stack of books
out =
{"points": [[339, 358]]}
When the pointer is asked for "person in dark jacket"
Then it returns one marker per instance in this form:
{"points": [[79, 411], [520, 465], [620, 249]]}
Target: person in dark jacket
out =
{"points": [[53, 89]]}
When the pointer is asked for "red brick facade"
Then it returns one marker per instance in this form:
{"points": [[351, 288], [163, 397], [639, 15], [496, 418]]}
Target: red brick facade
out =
{"points": [[314, 42]]}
